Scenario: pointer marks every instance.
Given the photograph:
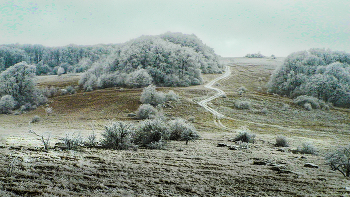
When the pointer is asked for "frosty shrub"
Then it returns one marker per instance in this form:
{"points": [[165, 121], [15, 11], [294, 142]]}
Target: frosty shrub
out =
{"points": [[151, 96], [182, 130], [189, 134], [151, 133], [70, 90], [18, 81], [91, 140], [281, 141], [72, 141], [146, 111], [171, 96], [255, 55], [7, 103], [139, 78], [320, 73], [242, 89], [244, 136], [60, 71], [64, 92], [118, 135], [309, 102], [308, 106], [340, 160], [307, 148], [35, 119], [242, 104]]}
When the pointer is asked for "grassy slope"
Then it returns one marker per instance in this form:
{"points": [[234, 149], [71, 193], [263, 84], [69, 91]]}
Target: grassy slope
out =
{"points": [[199, 169]]}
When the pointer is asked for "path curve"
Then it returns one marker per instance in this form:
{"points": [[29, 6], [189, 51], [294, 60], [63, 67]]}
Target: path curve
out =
{"points": [[204, 103], [218, 115]]}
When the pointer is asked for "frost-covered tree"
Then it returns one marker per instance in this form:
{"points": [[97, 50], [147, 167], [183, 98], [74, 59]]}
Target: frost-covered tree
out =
{"points": [[17, 81], [151, 96], [139, 78], [7, 103], [320, 73], [171, 59]]}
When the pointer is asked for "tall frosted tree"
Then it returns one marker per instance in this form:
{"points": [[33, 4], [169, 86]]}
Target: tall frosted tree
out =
{"points": [[18, 81]]}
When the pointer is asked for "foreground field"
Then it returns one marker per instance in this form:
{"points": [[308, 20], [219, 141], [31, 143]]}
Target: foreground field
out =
{"points": [[198, 169]]}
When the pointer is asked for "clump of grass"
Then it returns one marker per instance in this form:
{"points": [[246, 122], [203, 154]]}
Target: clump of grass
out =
{"points": [[244, 136], [242, 90], [309, 102], [281, 141], [307, 148], [72, 141], [242, 104], [35, 119], [339, 160], [44, 140], [91, 140], [70, 89]]}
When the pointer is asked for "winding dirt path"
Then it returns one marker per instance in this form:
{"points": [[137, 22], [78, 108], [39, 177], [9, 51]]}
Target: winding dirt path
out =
{"points": [[218, 115], [204, 103]]}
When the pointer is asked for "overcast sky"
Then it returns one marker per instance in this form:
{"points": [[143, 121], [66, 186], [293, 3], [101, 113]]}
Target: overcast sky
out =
{"points": [[232, 27]]}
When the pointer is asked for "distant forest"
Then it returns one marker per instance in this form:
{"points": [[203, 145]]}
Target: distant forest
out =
{"points": [[72, 58]]}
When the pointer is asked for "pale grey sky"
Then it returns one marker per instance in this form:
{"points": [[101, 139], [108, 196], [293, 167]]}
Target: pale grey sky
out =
{"points": [[232, 27]]}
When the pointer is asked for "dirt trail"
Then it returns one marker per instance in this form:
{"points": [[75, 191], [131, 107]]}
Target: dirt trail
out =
{"points": [[204, 103], [218, 115]]}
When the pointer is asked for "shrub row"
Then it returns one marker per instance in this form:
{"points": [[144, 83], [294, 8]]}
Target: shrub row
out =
{"points": [[150, 133]]}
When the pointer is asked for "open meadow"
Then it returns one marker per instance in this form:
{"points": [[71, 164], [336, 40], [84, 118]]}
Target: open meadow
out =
{"points": [[201, 168]]}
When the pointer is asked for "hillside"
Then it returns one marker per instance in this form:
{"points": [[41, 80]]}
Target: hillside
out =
{"points": [[198, 169]]}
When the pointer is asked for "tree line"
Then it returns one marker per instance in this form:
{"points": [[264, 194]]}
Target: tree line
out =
{"points": [[73, 58], [321, 73], [170, 59]]}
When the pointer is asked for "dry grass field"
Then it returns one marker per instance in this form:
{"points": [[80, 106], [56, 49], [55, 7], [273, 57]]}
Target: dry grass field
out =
{"points": [[200, 168]]}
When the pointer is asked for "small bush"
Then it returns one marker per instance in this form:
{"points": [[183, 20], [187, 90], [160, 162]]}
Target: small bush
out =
{"points": [[70, 90], [72, 141], [264, 111], [146, 111], [7, 103], [309, 102], [48, 110], [285, 107], [91, 140], [151, 96], [242, 89], [152, 134], [35, 119], [117, 135], [308, 106], [189, 135], [281, 141], [60, 71], [171, 96], [63, 92], [243, 104], [307, 148], [182, 130], [245, 136], [340, 160]]}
